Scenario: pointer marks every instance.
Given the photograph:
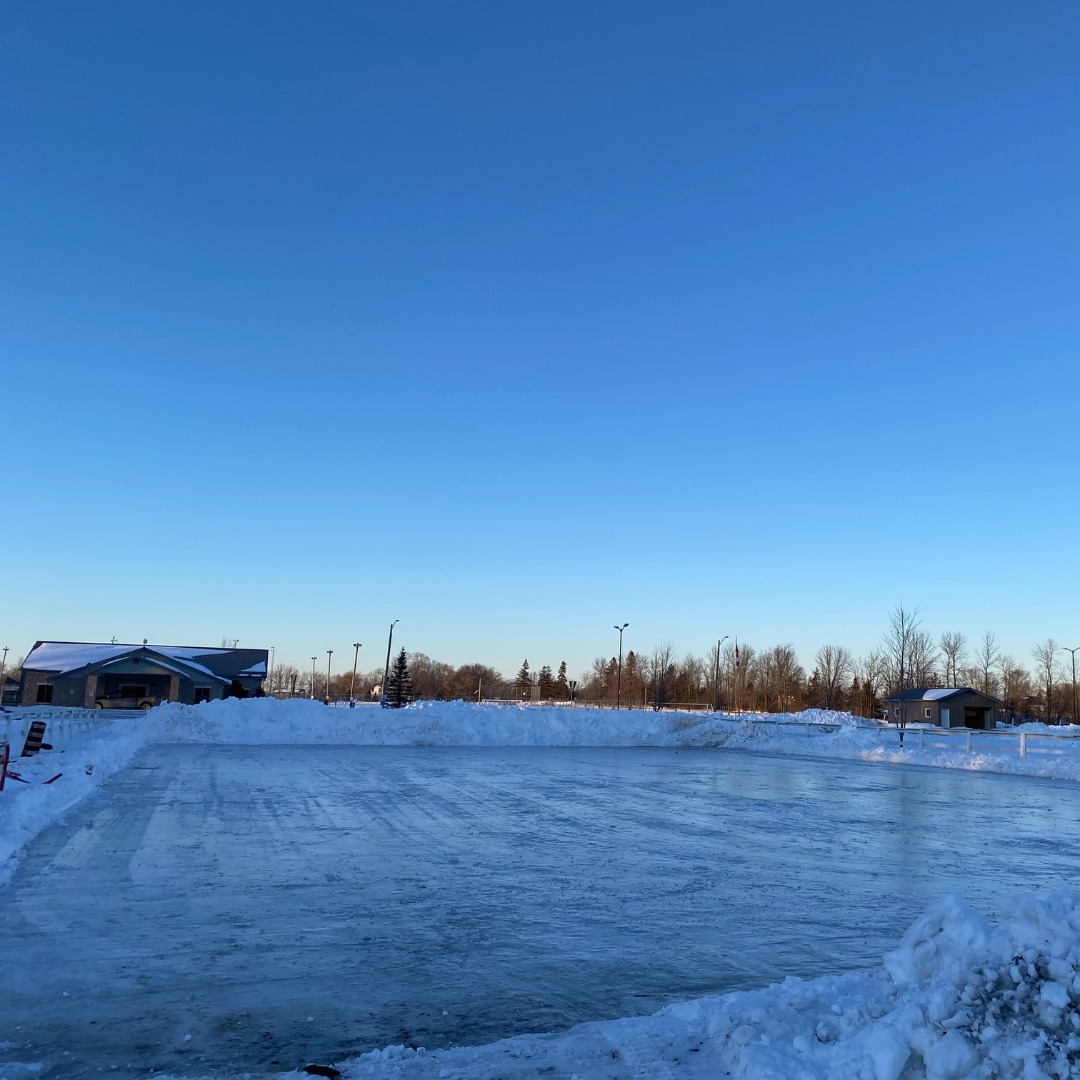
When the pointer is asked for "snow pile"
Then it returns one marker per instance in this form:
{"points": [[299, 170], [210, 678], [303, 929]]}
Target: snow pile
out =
{"points": [[958, 998], [84, 755], [460, 723]]}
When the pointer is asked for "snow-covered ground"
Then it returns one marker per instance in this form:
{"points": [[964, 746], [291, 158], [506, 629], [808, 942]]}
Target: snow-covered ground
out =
{"points": [[959, 997]]}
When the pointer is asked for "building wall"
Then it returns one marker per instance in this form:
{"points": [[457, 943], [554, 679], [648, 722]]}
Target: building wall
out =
{"points": [[955, 703], [69, 693], [31, 680]]}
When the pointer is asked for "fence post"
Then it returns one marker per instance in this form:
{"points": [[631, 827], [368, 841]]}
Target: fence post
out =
{"points": [[922, 738], [968, 747], [1023, 744]]}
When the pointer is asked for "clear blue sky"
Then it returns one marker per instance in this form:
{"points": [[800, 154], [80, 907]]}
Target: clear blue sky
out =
{"points": [[514, 321]]}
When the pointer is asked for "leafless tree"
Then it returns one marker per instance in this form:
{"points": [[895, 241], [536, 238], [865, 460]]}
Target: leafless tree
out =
{"points": [[690, 679], [953, 646], [660, 666], [896, 646], [283, 679], [783, 676], [741, 661], [1015, 684], [1046, 657], [872, 670], [835, 665], [986, 654], [923, 659]]}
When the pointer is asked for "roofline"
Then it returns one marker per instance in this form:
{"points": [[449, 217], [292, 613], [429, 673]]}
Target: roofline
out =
{"points": [[202, 649]]}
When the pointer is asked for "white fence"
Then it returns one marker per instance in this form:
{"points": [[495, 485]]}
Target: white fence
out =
{"points": [[919, 737], [61, 723]]}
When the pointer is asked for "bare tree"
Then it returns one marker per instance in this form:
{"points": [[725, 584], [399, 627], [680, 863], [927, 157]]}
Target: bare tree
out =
{"points": [[872, 670], [953, 646], [986, 654], [690, 679], [741, 662], [1046, 657], [1015, 684], [783, 676], [922, 659], [896, 646], [660, 666], [835, 666]]}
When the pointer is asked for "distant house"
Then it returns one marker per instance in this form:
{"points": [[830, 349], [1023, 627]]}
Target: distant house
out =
{"points": [[89, 674], [957, 706], [9, 691]]}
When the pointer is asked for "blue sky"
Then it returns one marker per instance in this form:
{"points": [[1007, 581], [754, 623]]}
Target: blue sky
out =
{"points": [[516, 321]]}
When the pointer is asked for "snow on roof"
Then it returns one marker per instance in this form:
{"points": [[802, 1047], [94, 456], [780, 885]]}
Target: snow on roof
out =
{"points": [[937, 695], [255, 669], [69, 655], [188, 666]]}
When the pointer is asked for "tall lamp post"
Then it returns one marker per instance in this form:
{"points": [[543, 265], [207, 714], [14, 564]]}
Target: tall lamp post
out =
{"points": [[329, 653], [1064, 648], [389, 642], [313, 659], [618, 683], [3, 665], [352, 681], [716, 674], [270, 676]]}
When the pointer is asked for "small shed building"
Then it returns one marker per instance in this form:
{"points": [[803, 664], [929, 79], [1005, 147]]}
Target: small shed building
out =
{"points": [[90, 674], [949, 707]]}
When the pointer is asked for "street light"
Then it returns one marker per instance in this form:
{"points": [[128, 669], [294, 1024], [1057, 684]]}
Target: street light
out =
{"points": [[389, 642], [270, 676], [329, 653], [352, 681], [1065, 648], [313, 659], [618, 684], [716, 673]]}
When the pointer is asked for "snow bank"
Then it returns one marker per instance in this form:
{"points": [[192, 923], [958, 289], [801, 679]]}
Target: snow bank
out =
{"points": [[959, 998], [458, 723], [84, 755]]}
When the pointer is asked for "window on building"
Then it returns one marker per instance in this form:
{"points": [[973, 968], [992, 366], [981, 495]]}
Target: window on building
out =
{"points": [[896, 712], [202, 693], [44, 694], [927, 714]]}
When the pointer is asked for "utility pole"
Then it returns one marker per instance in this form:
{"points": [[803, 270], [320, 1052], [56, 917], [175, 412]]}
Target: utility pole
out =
{"points": [[389, 642], [716, 673], [1063, 649], [618, 685], [329, 653], [352, 681], [313, 659]]}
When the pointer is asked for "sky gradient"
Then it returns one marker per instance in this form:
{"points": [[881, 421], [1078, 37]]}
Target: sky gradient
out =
{"points": [[514, 322]]}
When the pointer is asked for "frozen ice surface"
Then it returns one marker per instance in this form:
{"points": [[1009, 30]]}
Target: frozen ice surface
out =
{"points": [[440, 896]]}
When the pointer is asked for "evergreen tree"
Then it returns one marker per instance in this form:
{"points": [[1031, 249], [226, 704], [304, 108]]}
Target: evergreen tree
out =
{"points": [[399, 688], [524, 678], [562, 686], [547, 683]]}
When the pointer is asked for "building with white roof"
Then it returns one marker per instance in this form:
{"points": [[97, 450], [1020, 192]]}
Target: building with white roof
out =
{"points": [[93, 674], [948, 706]]}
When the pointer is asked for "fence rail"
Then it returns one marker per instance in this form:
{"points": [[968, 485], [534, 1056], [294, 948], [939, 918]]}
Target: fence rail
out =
{"points": [[62, 722]]}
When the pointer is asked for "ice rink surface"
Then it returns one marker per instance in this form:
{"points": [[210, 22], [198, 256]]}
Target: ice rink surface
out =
{"points": [[249, 909]]}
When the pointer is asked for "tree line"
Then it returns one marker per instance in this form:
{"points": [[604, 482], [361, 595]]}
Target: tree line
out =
{"points": [[746, 677]]}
